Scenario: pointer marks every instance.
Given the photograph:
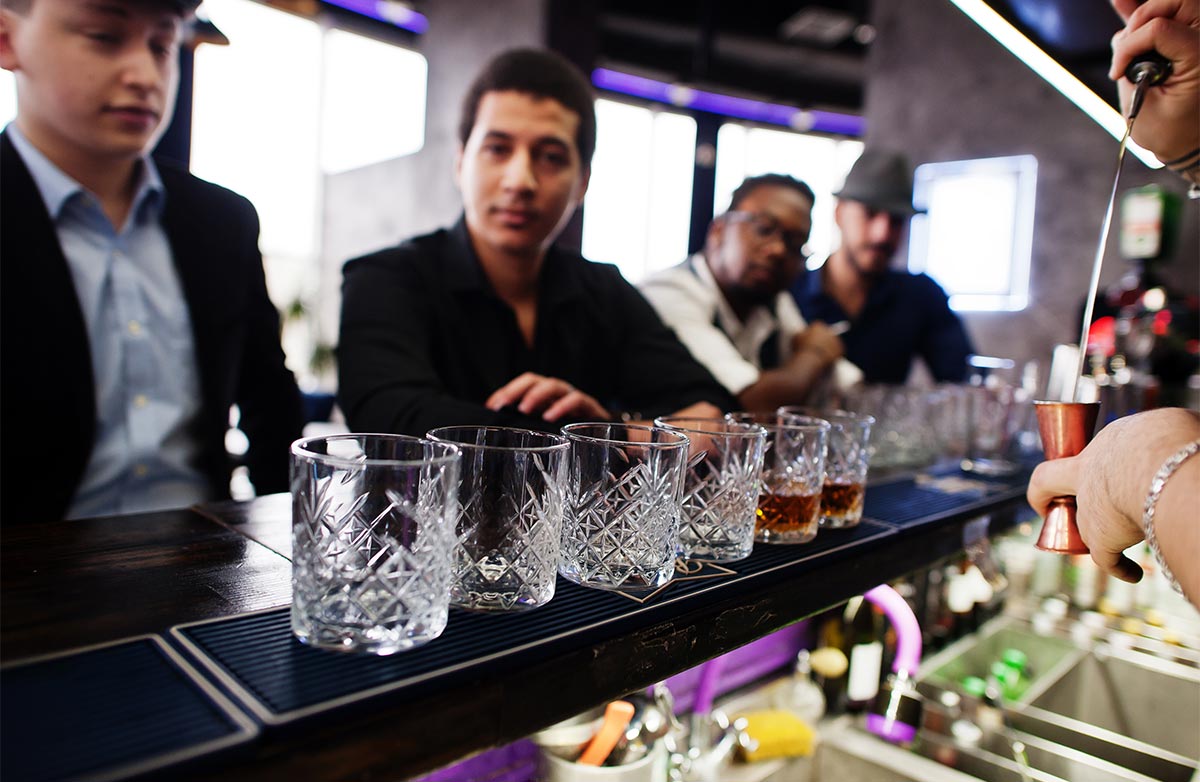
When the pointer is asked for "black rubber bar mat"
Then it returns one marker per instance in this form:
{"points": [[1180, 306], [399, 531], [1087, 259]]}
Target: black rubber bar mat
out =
{"points": [[281, 680], [110, 712], [928, 498]]}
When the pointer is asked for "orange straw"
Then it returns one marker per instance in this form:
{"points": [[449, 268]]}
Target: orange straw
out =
{"points": [[616, 718]]}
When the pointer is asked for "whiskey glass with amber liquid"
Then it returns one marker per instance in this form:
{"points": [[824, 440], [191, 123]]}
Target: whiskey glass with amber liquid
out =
{"points": [[846, 465], [789, 501]]}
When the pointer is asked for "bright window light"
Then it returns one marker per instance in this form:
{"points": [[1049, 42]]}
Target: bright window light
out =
{"points": [[255, 120], [373, 102], [818, 161], [1058, 77], [977, 237], [8, 97], [638, 207]]}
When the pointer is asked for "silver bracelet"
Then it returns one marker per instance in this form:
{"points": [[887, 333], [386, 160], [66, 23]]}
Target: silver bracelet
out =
{"points": [[1156, 486]]}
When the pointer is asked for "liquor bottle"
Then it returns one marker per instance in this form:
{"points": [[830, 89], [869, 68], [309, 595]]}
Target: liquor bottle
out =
{"points": [[802, 696], [865, 638]]}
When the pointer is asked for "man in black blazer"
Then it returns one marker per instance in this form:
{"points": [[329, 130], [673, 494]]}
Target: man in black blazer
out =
{"points": [[96, 83]]}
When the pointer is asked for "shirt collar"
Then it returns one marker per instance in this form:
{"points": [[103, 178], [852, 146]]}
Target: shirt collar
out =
{"points": [[883, 288], [465, 273], [760, 317], [57, 187], [812, 280]]}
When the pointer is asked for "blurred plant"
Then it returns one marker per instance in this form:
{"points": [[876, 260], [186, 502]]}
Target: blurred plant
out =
{"points": [[320, 364]]}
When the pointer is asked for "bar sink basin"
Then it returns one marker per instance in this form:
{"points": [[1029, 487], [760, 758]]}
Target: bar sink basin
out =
{"points": [[1133, 709], [1110, 711], [848, 752], [974, 656]]}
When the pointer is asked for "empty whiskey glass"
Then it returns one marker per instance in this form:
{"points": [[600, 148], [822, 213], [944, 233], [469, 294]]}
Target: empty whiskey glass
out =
{"points": [[624, 493], [373, 519], [721, 487], [511, 496]]}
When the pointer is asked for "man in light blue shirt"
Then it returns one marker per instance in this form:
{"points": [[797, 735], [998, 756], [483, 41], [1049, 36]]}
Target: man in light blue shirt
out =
{"points": [[134, 306]]}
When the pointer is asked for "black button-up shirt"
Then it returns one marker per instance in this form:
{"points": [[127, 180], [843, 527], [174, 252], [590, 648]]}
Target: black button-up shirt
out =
{"points": [[425, 340], [905, 316]]}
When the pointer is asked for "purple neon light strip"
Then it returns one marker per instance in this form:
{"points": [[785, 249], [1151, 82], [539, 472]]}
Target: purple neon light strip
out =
{"points": [[391, 13], [727, 105]]}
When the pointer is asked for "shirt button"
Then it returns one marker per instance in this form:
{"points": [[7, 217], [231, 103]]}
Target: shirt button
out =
{"points": [[135, 328], [140, 400], [140, 470]]}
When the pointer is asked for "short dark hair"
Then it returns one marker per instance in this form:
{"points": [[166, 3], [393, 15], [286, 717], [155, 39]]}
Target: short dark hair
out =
{"points": [[540, 73], [184, 8], [769, 180]]}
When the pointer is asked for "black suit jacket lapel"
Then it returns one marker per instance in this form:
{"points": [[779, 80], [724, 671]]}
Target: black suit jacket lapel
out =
{"points": [[49, 391]]}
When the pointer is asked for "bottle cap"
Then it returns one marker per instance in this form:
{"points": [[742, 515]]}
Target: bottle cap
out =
{"points": [[829, 662], [1055, 607], [1015, 659], [974, 686]]}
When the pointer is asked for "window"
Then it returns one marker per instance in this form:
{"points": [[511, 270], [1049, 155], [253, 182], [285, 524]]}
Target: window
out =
{"points": [[819, 161], [977, 237], [287, 103], [639, 201], [254, 122], [8, 97], [372, 103]]}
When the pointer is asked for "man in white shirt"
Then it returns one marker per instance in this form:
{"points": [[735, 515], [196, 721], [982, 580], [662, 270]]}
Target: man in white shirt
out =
{"points": [[730, 306]]}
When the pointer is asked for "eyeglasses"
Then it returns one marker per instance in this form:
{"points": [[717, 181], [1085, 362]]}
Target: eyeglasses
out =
{"points": [[765, 228]]}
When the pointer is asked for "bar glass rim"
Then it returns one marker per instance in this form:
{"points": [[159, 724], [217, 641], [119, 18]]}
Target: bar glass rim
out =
{"points": [[782, 421], [302, 448], [834, 417], [440, 434], [575, 431], [675, 423]]}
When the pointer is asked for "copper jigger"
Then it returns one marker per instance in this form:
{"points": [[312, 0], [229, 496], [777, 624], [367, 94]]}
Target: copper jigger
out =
{"points": [[1066, 427]]}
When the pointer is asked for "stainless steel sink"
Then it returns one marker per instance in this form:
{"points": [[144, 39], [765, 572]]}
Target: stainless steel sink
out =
{"points": [[848, 753], [973, 656], [1105, 713], [1125, 706], [1100, 713]]}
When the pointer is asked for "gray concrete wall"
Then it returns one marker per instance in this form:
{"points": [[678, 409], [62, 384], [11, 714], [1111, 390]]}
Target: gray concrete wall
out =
{"points": [[942, 89]]}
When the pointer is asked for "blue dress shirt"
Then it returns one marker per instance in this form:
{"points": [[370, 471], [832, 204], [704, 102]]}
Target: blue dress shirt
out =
{"points": [[140, 335], [905, 316]]}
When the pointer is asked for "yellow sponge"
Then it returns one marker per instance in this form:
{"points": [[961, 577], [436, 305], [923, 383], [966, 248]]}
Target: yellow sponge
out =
{"points": [[776, 734]]}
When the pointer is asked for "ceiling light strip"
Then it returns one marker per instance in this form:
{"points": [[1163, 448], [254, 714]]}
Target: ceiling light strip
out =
{"points": [[728, 105], [389, 11], [1058, 77]]}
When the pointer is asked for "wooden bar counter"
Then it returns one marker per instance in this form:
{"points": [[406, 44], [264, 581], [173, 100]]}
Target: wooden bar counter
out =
{"points": [[73, 584]]}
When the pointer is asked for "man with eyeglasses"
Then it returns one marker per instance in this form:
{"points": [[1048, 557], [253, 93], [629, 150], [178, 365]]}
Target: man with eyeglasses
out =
{"points": [[893, 316], [730, 306]]}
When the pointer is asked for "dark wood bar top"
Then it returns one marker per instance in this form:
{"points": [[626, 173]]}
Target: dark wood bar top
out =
{"points": [[72, 584], [76, 583]]}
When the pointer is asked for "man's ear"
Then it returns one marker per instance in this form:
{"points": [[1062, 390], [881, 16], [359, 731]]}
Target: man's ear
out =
{"points": [[8, 55], [585, 180], [716, 233], [458, 162]]}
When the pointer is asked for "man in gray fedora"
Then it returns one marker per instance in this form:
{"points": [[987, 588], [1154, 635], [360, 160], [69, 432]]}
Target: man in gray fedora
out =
{"points": [[893, 315]]}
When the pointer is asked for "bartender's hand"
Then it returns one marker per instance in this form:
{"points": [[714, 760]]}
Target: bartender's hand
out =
{"points": [[1110, 479], [551, 397], [1168, 123]]}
